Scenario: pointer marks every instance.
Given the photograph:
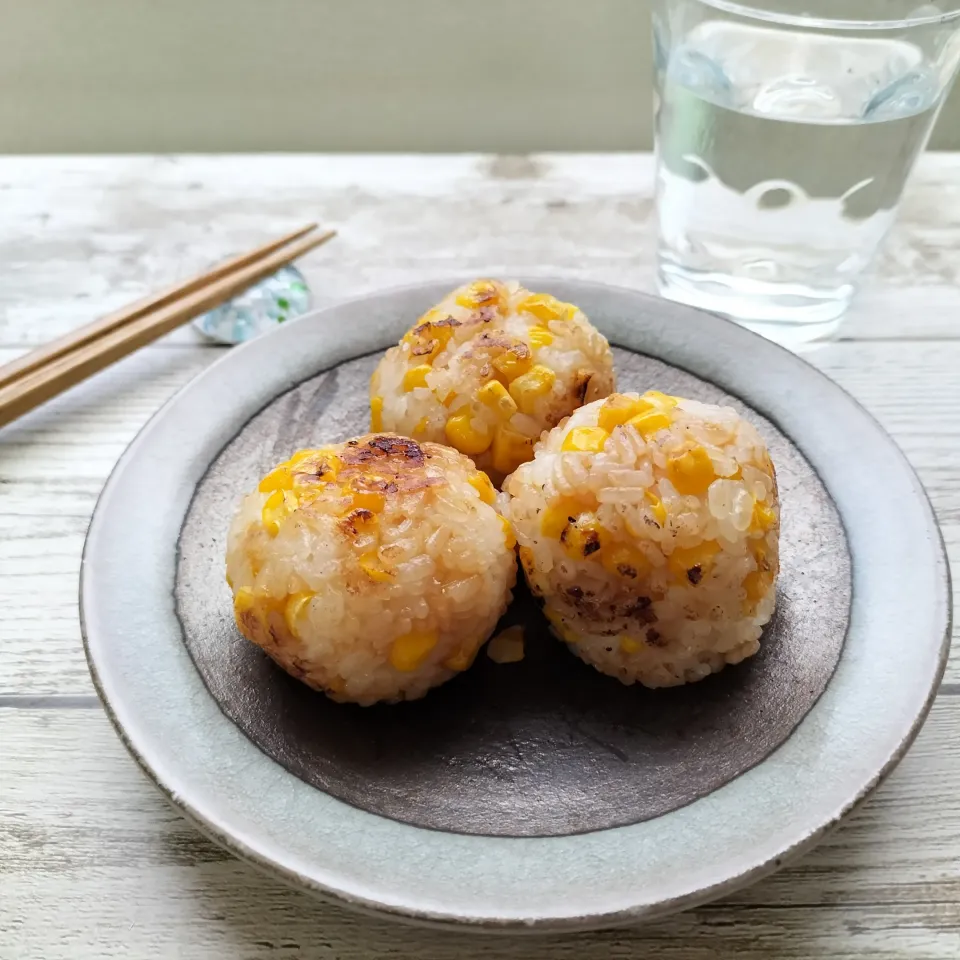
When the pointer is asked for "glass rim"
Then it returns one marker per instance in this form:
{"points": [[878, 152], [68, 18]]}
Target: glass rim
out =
{"points": [[830, 23]]}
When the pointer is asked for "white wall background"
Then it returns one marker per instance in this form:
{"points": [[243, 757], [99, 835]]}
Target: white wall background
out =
{"points": [[223, 75]]}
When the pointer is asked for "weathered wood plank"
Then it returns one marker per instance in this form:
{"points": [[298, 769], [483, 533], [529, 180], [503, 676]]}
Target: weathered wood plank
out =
{"points": [[84, 235]]}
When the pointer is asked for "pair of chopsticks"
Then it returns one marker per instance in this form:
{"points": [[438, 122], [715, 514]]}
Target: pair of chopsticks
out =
{"points": [[43, 373]]}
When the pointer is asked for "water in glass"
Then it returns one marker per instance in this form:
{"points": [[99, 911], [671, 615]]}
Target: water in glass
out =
{"points": [[783, 155]]}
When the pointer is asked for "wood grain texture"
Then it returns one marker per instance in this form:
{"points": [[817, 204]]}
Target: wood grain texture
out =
{"points": [[83, 236], [93, 863]]}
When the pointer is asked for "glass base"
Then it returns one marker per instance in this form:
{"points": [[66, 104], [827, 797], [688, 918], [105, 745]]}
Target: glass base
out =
{"points": [[790, 314]]}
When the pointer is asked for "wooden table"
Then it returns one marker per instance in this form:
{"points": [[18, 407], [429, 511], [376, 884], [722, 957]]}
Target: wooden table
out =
{"points": [[93, 862]]}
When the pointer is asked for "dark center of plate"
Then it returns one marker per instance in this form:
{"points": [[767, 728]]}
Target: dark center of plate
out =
{"points": [[543, 747]]}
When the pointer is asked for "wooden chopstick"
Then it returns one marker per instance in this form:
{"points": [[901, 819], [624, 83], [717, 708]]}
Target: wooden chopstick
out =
{"points": [[75, 338], [31, 380]]}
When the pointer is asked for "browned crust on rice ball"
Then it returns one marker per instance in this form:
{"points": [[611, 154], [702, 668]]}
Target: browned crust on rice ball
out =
{"points": [[372, 569]]}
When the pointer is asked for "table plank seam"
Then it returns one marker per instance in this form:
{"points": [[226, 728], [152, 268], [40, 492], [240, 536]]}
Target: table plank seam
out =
{"points": [[58, 701]]}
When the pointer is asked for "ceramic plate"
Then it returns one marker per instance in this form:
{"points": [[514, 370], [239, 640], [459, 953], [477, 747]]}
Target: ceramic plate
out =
{"points": [[539, 794]]}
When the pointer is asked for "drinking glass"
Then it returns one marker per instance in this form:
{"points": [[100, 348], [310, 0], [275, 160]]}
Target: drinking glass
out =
{"points": [[785, 133]]}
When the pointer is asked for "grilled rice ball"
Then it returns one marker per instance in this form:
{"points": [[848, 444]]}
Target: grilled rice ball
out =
{"points": [[373, 569], [649, 526], [489, 369]]}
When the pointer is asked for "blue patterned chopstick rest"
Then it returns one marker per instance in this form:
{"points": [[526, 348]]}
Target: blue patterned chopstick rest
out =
{"points": [[280, 297]]}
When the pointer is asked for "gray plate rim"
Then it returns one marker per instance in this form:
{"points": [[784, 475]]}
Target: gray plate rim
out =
{"points": [[208, 769]]}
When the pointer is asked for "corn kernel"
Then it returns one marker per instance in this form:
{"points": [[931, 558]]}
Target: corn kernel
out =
{"points": [[763, 517], [529, 387], [464, 436], [273, 512], [555, 519], [481, 483], [514, 362], [449, 398], [370, 564], [758, 550], [529, 567], [585, 440], [510, 449], [649, 423], [618, 409], [693, 563], [507, 646], [410, 650], [295, 606], [539, 337], [362, 520], [463, 658], [431, 316], [421, 426], [480, 293], [460, 661], [544, 307], [628, 645], [508, 536], [301, 456], [319, 465], [560, 627], [328, 466], [625, 561], [692, 473], [664, 400], [416, 376], [429, 348], [493, 394], [442, 332], [756, 584], [376, 414], [244, 600], [371, 500], [430, 338], [278, 479], [583, 539], [657, 508]]}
